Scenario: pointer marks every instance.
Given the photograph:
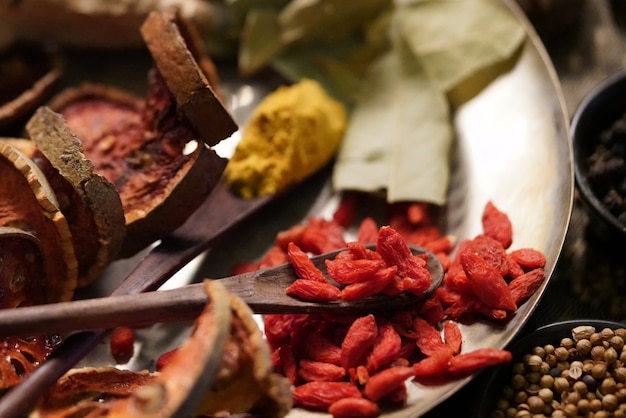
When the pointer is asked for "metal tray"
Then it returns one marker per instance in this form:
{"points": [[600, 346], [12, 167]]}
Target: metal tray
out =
{"points": [[512, 147]]}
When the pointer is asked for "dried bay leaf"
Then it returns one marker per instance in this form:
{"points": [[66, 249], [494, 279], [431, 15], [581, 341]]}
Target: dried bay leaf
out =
{"points": [[260, 40], [462, 44], [399, 135], [314, 20]]}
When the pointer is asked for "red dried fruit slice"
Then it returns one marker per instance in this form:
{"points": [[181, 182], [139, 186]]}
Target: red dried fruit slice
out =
{"points": [[160, 184], [89, 201], [29, 203], [21, 356]]}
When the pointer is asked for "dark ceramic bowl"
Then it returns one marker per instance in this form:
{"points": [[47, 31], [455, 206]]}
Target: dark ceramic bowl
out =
{"points": [[548, 334], [596, 114]]}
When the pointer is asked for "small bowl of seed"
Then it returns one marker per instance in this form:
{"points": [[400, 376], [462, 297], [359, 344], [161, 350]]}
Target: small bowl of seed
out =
{"points": [[598, 133], [567, 369]]}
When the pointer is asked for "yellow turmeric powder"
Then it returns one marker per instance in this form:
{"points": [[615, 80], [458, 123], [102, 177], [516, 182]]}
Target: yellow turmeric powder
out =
{"points": [[291, 134]]}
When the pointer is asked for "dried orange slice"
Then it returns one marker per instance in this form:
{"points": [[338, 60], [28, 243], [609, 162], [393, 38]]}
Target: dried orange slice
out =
{"points": [[91, 203], [29, 203]]}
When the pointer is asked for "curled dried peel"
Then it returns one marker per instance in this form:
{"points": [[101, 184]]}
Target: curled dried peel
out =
{"points": [[93, 208], [246, 382], [172, 44], [174, 391], [29, 203]]}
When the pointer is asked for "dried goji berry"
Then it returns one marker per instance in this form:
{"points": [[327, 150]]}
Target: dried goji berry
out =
{"points": [[423, 235], [491, 251], [347, 271], [376, 283], [469, 363], [432, 310], [428, 338], [320, 395], [417, 213], [359, 250], [288, 363], [433, 365], [358, 341], [515, 269], [447, 296], [452, 336], [368, 231], [440, 245], [528, 258], [274, 257], [470, 304], [395, 251], [344, 214], [311, 290], [487, 283], [524, 286], [322, 236], [386, 381], [386, 348], [312, 371], [320, 348], [354, 408], [122, 344], [456, 280], [497, 224], [293, 234], [302, 264], [164, 359]]}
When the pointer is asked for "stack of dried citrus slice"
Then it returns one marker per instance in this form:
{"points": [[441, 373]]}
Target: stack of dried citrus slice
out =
{"points": [[100, 175]]}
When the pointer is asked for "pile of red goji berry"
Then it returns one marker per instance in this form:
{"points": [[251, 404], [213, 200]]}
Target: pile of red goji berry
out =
{"points": [[356, 366]]}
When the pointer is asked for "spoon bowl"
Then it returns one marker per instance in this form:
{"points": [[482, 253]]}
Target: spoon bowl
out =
{"points": [[263, 290]]}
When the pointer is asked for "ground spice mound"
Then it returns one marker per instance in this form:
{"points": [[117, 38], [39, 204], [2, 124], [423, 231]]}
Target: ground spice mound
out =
{"points": [[293, 133]]}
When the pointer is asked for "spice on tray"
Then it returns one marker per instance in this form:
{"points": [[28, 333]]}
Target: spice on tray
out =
{"points": [[584, 375], [294, 132]]}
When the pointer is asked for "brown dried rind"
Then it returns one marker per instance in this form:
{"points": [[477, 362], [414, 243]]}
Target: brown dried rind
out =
{"points": [[21, 356], [165, 37], [246, 383], [58, 144], [29, 203]]}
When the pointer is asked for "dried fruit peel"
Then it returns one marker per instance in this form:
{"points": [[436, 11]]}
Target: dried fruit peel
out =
{"points": [[178, 388], [53, 138], [251, 385], [32, 205], [291, 134], [185, 79]]}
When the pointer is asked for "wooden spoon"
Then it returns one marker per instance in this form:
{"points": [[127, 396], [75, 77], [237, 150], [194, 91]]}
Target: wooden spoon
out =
{"points": [[262, 290]]}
